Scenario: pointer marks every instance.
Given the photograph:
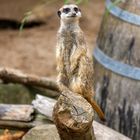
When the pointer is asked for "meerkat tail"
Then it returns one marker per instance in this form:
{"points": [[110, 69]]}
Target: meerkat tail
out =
{"points": [[97, 109]]}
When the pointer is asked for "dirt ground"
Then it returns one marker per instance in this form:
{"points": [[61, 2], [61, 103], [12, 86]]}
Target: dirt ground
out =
{"points": [[33, 50]]}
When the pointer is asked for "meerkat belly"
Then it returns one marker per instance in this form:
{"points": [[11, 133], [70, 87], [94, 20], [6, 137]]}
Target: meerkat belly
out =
{"points": [[82, 81], [68, 48], [75, 84]]}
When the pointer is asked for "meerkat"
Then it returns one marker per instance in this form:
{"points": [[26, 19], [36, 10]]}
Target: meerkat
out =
{"points": [[74, 65]]}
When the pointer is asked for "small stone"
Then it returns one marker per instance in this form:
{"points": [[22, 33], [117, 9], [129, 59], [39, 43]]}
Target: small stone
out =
{"points": [[42, 132]]}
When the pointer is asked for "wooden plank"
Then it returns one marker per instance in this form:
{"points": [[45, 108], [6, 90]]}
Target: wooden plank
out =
{"points": [[16, 125], [44, 105], [20, 125], [16, 112]]}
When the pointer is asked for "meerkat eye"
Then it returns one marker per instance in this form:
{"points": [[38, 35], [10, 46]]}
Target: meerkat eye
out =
{"points": [[76, 9], [66, 10]]}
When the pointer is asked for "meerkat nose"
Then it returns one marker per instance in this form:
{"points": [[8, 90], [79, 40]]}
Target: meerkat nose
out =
{"points": [[73, 14]]}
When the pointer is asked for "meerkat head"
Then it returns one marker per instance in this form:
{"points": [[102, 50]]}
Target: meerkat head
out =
{"points": [[69, 12]]}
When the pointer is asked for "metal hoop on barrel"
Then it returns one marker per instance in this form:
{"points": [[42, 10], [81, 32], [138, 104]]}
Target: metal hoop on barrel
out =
{"points": [[116, 66], [122, 14]]}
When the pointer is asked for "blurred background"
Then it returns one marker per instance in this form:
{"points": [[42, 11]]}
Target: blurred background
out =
{"points": [[33, 49]]}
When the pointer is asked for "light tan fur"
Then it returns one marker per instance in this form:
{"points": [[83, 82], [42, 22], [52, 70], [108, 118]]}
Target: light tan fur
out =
{"points": [[74, 65]]}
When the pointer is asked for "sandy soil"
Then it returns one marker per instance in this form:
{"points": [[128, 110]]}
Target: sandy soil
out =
{"points": [[33, 50]]}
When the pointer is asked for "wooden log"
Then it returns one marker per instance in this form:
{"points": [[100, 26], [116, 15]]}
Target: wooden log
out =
{"points": [[20, 125], [43, 91], [117, 90], [15, 76], [73, 117], [16, 125], [44, 105], [16, 112]]}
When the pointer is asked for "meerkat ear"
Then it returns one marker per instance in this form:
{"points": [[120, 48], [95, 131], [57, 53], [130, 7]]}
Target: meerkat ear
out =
{"points": [[59, 13]]}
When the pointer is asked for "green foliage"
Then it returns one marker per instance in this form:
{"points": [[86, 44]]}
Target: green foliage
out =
{"points": [[116, 2], [66, 1], [27, 15], [76, 1], [15, 94], [79, 1]]}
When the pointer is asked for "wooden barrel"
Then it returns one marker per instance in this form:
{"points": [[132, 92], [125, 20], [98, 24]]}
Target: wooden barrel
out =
{"points": [[117, 67]]}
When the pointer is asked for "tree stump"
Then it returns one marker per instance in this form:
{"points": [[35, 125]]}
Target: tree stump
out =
{"points": [[73, 117]]}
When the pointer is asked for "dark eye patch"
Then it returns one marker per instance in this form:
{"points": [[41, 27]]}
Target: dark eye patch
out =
{"points": [[66, 10], [76, 9]]}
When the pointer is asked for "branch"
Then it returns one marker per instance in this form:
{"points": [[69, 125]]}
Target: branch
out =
{"points": [[43, 91], [20, 125], [8, 75], [16, 124]]}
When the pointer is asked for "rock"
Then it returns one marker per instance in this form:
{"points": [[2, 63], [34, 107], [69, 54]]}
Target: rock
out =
{"points": [[42, 132]]}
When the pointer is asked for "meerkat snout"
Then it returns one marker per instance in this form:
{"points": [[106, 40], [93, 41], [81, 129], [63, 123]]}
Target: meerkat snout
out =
{"points": [[69, 12]]}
